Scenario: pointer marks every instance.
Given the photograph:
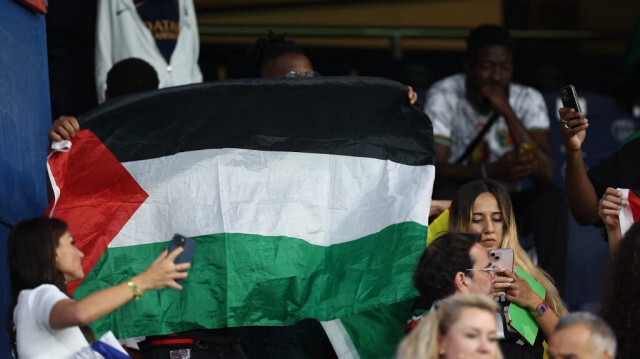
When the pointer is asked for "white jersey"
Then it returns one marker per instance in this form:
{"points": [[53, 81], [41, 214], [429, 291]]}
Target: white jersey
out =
{"points": [[456, 123]]}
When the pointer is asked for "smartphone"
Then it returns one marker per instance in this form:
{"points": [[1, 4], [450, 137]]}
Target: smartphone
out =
{"points": [[570, 98], [527, 152], [501, 257], [189, 245]]}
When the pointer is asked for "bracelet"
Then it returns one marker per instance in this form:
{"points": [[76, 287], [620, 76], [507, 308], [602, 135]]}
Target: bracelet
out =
{"points": [[483, 171], [134, 289], [540, 310]]}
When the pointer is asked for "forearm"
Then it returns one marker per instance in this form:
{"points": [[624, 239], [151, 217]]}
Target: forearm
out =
{"points": [[98, 304], [547, 322], [94, 306], [519, 134], [613, 237], [583, 200]]}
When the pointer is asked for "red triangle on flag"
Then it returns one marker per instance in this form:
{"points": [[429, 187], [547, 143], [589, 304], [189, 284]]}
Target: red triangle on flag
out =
{"points": [[98, 196], [634, 204]]}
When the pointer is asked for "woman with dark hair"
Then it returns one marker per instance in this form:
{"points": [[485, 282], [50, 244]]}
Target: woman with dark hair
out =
{"points": [[484, 207], [620, 306], [42, 261]]}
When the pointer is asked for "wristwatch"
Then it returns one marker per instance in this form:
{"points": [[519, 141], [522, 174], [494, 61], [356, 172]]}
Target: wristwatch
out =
{"points": [[540, 310]]}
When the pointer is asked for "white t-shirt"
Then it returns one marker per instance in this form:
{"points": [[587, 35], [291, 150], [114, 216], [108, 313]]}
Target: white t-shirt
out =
{"points": [[35, 338], [456, 123]]}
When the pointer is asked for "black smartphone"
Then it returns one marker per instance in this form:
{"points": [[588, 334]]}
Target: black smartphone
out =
{"points": [[569, 98], [189, 246]]}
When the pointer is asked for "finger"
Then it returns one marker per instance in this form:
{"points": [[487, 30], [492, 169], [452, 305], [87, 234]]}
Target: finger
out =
{"points": [[160, 257], [176, 252], [571, 131], [54, 136], [183, 266], [501, 286], [577, 122], [68, 126], [610, 212], [498, 294], [61, 132], [180, 275], [502, 279], [511, 275], [565, 110], [74, 123], [604, 204], [613, 191], [173, 284]]}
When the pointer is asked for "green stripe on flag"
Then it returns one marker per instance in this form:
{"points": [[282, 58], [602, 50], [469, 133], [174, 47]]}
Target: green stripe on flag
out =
{"points": [[243, 279]]}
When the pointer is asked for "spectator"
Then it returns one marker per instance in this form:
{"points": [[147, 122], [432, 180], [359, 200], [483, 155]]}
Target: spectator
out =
{"points": [[582, 336], [620, 303], [274, 56], [453, 263], [162, 32], [42, 260], [130, 76], [126, 77], [515, 146], [462, 326], [584, 189], [483, 206]]}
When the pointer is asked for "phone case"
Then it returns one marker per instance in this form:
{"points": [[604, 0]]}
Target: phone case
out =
{"points": [[569, 97], [189, 248], [501, 257]]}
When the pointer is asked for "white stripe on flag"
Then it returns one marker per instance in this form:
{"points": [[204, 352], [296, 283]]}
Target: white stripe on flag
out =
{"points": [[322, 199], [340, 339], [625, 216]]}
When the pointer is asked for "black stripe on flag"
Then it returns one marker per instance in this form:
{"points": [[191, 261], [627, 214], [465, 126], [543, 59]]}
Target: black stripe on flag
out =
{"points": [[352, 116]]}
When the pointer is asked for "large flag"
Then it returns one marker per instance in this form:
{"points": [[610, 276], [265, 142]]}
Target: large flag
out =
{"points": [[307, 199]]}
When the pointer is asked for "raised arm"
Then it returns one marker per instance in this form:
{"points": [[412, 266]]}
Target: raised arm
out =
{"points": [[161, 273], [583, 200]]}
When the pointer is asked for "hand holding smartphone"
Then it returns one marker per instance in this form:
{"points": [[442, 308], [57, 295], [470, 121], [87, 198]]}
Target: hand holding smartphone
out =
{"points": [[189, 246], [569, 98]]}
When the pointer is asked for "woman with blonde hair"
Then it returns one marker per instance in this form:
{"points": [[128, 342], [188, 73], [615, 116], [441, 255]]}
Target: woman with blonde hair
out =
{"points": [[484, 207], [462, 326]]}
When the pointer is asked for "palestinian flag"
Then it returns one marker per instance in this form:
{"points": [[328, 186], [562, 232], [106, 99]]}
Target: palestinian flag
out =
{"points": [[307, 199], [630, 213]]}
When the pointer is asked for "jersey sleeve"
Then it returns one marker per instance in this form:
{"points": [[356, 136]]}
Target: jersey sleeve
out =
{"points": [[440, 109], [533, 111]]}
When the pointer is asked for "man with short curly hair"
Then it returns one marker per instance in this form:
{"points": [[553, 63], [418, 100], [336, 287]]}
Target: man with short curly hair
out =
{"points": [[453, 263]]}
